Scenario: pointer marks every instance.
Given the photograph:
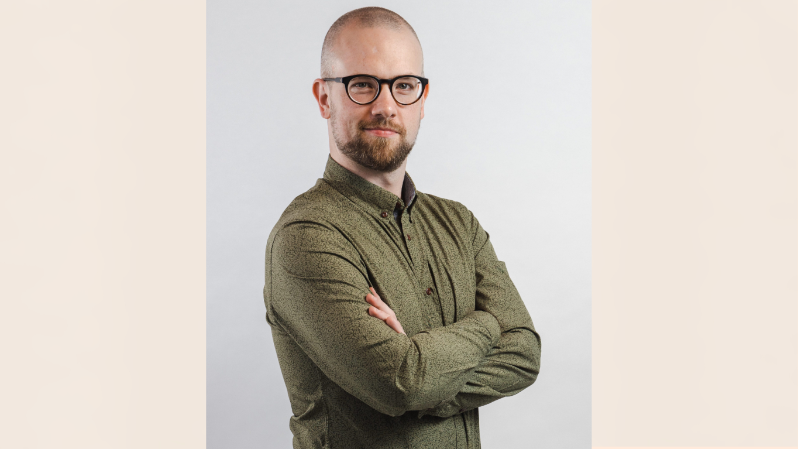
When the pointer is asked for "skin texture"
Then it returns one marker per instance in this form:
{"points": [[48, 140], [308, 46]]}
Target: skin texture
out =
{"points": [[383, 131]]}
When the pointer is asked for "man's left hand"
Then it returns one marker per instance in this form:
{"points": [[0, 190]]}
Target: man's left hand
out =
{"points": [[381, 310]]}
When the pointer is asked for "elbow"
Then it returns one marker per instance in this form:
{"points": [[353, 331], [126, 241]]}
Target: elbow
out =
{"points": [[532, 357], [396, 401], [397, 388], [402, 394], [535, 357], [392, 410], [390, 400], [392, 405]]}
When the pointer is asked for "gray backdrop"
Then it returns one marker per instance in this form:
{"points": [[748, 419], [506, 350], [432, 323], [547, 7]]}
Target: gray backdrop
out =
{"points": [[506, 132]]}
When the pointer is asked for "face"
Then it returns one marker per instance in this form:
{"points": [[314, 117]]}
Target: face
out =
{"points": [[379, 135]]}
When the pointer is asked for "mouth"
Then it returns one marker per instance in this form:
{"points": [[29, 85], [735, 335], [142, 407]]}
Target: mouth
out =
{"points": [[381, 132]]}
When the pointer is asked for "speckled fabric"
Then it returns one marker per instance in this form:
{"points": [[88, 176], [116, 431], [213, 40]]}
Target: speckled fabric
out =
{"points": [[352, 381]]}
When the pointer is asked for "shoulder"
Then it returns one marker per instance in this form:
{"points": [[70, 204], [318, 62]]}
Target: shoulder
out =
{"points": [[321, 204], [309, 223], [447, 209], [315, 203]]}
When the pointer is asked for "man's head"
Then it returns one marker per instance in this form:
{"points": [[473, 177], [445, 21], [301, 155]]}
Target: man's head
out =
{"points": [[378, 42]]}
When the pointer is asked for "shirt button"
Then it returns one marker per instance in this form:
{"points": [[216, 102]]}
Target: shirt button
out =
{"points": [[384, 214], [429, 291]]}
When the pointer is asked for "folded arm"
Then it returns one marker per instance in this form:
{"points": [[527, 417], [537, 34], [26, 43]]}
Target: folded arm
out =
{"points": [[316, 283], [514, 362], [507, 369]]}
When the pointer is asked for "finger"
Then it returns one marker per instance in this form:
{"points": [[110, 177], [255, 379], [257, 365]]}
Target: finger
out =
{"points": [[385, 309], [374, 300], [378, 302], [377, 313], [395, 325]]}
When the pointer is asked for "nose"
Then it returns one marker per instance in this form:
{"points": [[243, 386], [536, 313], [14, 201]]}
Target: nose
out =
{"points": [[384, 105]]}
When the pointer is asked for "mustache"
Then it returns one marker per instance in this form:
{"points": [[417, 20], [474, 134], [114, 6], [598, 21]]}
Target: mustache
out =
{"points": [[384, 124]]}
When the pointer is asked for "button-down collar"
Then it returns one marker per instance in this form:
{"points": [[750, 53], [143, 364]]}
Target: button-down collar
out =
{"points": [[367, 193]]}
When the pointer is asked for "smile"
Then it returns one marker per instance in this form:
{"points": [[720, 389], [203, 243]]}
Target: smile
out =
{"points": [[381, 132]]}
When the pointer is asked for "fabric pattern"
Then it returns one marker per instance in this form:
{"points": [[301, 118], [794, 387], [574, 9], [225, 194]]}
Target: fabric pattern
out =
{"points": [[353, 382]]}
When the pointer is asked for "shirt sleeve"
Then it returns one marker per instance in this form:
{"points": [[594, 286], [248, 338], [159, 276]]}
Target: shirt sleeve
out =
{"points": [[317, 283], [514, 363]]}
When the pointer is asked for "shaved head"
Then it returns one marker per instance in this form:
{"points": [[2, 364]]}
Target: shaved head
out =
{"points": [[369, 17], [371, 139]]}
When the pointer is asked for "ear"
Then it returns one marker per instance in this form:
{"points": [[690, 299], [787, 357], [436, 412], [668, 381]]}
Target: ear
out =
{"points": [[424, 99], [322, 97]]}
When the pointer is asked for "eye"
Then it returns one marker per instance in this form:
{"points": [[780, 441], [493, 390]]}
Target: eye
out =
{"points": [[361, 85], [404, 86]]}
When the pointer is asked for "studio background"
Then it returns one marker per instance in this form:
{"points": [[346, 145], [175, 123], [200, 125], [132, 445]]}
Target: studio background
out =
{"points": [[506, 132]]}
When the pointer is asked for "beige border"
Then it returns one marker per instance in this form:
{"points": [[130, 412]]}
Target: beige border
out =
{"points": [[695, 339], [102, 245], [102, 228]]}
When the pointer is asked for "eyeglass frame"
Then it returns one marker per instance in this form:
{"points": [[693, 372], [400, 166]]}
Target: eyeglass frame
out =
{"points": [[346, 79]]}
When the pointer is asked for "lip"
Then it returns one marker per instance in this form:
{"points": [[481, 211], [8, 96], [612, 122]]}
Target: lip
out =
{"points": [[381, 132]]}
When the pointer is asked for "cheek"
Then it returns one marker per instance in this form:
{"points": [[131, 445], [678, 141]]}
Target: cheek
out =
{"points": [[345, 121], [337, 123], [413, 124]]}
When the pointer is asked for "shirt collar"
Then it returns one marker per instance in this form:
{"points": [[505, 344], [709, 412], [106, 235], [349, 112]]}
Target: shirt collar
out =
{"points": [[372, 195]]}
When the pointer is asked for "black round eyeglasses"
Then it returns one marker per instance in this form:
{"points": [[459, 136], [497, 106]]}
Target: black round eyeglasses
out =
{"points": [[364, 89]]}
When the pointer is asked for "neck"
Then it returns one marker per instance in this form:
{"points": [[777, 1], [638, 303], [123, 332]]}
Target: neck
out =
{"points": [[391, 182]]}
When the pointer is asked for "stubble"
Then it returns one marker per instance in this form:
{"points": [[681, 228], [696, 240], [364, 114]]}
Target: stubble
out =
{"points": [[377, 153]]}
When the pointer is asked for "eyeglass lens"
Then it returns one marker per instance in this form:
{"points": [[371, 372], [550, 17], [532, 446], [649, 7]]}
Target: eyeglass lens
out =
{"points": [[405, 90]]}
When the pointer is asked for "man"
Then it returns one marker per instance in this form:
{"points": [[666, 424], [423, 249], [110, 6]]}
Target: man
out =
{"points": [[392, 318]]}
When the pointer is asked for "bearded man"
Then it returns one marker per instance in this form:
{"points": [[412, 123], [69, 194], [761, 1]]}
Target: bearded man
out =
{"points": [[392, 318]]}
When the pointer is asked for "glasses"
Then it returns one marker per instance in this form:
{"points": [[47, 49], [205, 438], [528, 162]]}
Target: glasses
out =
{"points": [[364, 89]]}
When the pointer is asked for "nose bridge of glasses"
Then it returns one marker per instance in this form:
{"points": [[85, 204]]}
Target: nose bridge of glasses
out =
{"points": [[384, 100], [389, 89], [379, 91]]}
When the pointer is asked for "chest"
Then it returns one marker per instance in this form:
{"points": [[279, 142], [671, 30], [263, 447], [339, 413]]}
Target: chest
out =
{"points": [[421, 265]]}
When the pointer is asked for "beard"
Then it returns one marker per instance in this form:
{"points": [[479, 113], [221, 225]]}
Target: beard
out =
{"points": [[376, 153]]}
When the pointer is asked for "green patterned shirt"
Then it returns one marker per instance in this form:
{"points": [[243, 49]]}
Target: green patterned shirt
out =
{"points": [[353, 382]]}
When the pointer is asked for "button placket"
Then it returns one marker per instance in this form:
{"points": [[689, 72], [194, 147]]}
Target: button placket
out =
{"points": [[414, 246]]}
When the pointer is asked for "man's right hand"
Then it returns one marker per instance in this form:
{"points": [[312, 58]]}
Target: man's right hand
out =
{"points": [[381, 310]]}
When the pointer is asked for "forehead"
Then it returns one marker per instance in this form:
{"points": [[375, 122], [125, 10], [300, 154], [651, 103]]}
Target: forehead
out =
{"points": [[382, 52]]}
